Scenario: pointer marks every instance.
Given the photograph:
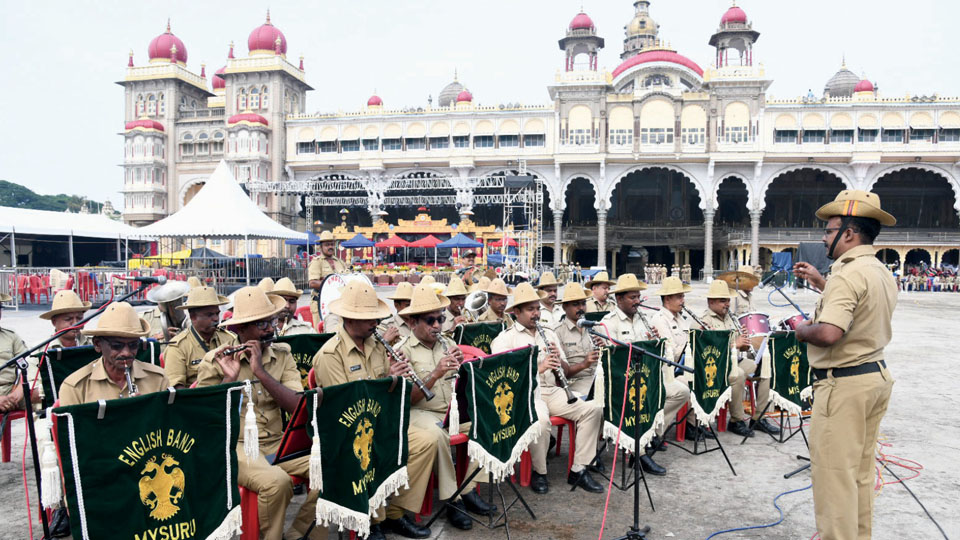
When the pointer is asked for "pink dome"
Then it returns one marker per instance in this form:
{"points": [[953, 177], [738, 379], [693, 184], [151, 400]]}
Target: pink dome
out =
{"points": [[264, 38], [218, 82], [374, 101], [160, 46], [734, 15], [247, 118], [864, 86], [143, 124], [464, 97], [657, 56], [582, 22]]}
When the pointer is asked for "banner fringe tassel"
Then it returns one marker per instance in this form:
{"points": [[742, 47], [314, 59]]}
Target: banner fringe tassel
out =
{"points": [[231, 527], [497, 468], [627, 441]]}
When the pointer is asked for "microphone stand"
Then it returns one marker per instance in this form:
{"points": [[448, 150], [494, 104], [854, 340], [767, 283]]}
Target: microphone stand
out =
{"points": [[636, 532], [21, 364]]}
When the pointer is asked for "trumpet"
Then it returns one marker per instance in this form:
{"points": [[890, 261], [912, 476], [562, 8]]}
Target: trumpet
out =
{"points": [[427, 394], [571, 398]]}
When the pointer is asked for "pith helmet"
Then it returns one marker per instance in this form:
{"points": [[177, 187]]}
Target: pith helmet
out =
{"points": [[856, 203], [65, 301], [425, 300], [251, 304], [120, 320]]}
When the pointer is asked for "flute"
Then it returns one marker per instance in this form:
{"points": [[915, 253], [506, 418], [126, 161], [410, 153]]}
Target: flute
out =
{"points": [[235, 350], [571, 398], [427, 394]]}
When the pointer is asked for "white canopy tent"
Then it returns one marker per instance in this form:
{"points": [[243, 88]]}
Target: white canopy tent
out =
{"points": [[221, 209]]}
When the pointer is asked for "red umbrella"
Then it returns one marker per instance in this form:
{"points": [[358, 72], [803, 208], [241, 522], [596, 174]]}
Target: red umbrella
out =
{"points": [[499, 243], [429, 241], [393, 242]]}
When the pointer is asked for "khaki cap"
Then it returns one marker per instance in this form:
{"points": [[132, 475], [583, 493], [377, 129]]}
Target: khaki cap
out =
{"points": [[547, 280], [327, 236], [120, 320], [856, 203], [404, 291], [628, 283], [673, 285], [599, 278], [498, 286], [524, 294], [285, 287], [428, 279], [203, 297], [5, 298], [194, 281], [455, 288], [266, 285], [251, 304], [481, 284], [65, 301], [359, 301], [425, 300], [574, 293], [719, 290]]}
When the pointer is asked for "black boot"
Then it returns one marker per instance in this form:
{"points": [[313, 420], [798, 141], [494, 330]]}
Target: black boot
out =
{"points": [[650, 466], [405, 527], [376, 533], [583, 480], [456, 516], [60, 523], [740, 428], [765, 426], [475, 504], [538, 483]]}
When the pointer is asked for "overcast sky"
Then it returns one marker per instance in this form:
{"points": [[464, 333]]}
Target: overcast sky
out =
{"points": [[63, 112]]}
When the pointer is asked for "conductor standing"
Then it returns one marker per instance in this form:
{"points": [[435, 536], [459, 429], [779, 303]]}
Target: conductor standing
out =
{"points": [[850, 328]]}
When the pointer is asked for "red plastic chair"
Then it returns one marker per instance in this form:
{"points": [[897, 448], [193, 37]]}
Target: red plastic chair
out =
{"points": [[560, 422], [304, 314], [249, 510], [23, 288], [311, 380], [7, 436], [37, 289]]}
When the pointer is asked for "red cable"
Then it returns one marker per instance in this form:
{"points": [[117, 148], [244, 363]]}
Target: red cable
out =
{"points": [[616, 445]]}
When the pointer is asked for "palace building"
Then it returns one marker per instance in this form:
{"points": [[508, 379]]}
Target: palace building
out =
{"points": [[660, 160]]}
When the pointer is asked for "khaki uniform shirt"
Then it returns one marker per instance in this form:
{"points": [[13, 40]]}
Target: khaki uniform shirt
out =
{"points": [[395, 321], [517, 337], [594, 305], [279, 363], [623, 328], [490, 316], [321, 267], [576, 344], [424, 360], [742, 303], [448, 323], [91, 383], [340, 361], [715, 322], [859, 298], [183, 356], [674, 329], [296, 327], [550, 318], [10, 346]]}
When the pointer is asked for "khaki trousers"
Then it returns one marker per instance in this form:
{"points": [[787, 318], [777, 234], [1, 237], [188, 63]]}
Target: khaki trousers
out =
{"points": [[843, 437], [582, 385], [587, 416], [421, 455], [678, 394], [446, 472], [274, 491]]}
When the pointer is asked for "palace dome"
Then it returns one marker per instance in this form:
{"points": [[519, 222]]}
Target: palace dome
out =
{"points": [[582, 22], [864, 86], [657, 55], [263, 39], [464, 97], [218, 82], [159, 48], [842, 84], [734, 15], [374, 101], [448, 96], [247, 117], [144, 124]]}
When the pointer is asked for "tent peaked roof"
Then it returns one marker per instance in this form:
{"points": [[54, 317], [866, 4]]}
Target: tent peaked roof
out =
{"points": [[393, 242], [220, 209], [358, 241], [430, 241], [460, 241]]}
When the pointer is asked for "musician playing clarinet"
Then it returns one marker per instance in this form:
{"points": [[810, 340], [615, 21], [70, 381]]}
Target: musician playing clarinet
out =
{"points": [[578, 346], [588, 415]]}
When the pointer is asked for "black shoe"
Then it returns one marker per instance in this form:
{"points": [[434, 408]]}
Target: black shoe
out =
{"points": [[650, 466], [765, 426], [456, 516], [583, 480], [60, 523], [299, 489], [553, 442], [538, 483], [599, 468], [405, 527], [656, 445], [475, 504], [376, 533], [740, 428], [697, 432]]}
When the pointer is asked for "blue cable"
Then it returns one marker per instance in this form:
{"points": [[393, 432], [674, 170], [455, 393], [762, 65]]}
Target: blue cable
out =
{"points": [[770, 299], [777, 506]]}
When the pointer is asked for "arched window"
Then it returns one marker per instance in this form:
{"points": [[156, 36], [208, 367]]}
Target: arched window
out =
{"points": [[140, 106], [254, 98], [202, 144], [242, 100], [217, 146], [161, 104], [264, 99], [151, 105], [193, 104]]}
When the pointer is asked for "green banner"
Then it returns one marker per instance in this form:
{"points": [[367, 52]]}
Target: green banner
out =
{"points": [[361, 455], [790, 379], [595, 316], [621, 367], [500, 392], [710, 350], [153, 466], [478, 335], [59, 364], [304, 348]]}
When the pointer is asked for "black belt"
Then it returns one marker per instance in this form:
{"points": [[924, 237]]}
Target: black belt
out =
{"points": [[862, 369]]}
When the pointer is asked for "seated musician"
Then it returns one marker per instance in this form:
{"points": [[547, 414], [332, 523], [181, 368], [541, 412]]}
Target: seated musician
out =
{"points": [[600, 287], [588, 415], [117, 339], [288, 323], [164, 320], [11, 393], [277, 386], [436, 359], [67, 310], [627, 324], [186, 350], [550, 310], [395, 326], [497, 293], [454, 314], [352, 355], [578, 346]]}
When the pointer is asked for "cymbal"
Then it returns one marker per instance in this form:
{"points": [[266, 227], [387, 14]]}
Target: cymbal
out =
{"points": [[739, 280]]}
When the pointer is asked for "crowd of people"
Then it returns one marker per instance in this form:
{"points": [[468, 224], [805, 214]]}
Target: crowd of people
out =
{"points": [[925, 279]]}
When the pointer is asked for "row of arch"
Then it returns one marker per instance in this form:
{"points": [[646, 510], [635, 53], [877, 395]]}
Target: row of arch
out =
{"points": [[420, 130], [155, 104], [889, 120], [254, 98]]}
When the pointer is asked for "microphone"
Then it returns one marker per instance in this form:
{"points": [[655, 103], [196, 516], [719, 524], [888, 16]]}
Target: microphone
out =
{"points": [[583, 323], [159, 280], [770, 278]]}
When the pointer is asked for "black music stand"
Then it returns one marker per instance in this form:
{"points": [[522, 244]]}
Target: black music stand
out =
{"points": [[696, 451]]}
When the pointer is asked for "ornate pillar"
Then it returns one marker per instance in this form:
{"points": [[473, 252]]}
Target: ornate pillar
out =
{"points": [[557, 240], [708, 214], [602, 237], [755, 236]]}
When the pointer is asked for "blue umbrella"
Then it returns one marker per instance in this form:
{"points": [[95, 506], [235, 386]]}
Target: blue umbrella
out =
{"points": [[460, 241], [358, 241]]}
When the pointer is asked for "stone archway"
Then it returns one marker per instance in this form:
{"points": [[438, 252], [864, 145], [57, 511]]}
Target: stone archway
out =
{"points": [[580, 203], [191, 192], [793, 197], [950, 257], [919, 197], [732, 198], [917, 256], [889, 256]]}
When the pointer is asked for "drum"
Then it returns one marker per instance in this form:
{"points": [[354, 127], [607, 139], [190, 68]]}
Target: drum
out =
{"points": [[755, 324], [331, 288], [793, 322]]}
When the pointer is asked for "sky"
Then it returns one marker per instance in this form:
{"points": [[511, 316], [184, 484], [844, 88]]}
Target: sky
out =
{"points": [[64, 112]]}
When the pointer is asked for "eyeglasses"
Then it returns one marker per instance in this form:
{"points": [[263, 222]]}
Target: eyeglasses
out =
{"points": [[118, 346], [263, 325], [434, 320]]}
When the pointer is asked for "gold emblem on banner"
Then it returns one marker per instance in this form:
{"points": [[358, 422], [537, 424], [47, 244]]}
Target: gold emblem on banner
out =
{"points": [[363, 443], [710, 371], [162, 490], [795, 369], [503, 402]]}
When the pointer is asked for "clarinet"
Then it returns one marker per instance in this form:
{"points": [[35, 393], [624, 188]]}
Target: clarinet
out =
{"points": [[427, 394], [695, 318], [646, 324], [446, 350], [131, 386], [571, 398], [739, 329]]}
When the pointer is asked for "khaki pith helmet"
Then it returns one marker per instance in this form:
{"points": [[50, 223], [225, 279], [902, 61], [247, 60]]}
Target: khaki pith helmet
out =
{"points": [[574, 293], [266, 285], [673, 285], [628, 283], [120, 320], [856, 203], [425, 300], [598, 279], [547, 280], [524, 294], [359, 301], [203, 297], [285, 287], [404, 291], [498, 286], [455, 288], [251, 304], [65, 301], [719, 290]]}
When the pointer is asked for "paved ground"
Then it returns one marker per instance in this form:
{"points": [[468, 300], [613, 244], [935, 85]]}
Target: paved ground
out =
{"points": [[700, 495]]}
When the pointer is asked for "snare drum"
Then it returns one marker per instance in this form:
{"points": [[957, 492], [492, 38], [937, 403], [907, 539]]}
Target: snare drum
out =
{"points": [[755, 324], [793, 322], [332, 287]]}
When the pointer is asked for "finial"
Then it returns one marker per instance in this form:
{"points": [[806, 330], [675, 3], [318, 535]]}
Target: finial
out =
{"points": [[203, 70], [301, 62], [268, 16], [230, 54], [843, 64], [734, 3], [455, 75], [130, 60], [168, 26]]}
